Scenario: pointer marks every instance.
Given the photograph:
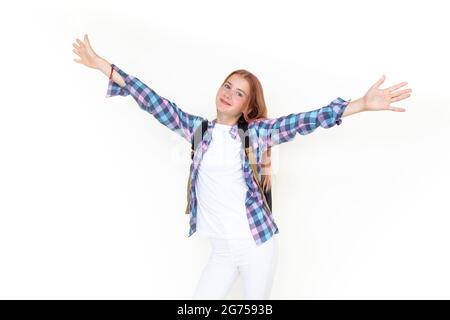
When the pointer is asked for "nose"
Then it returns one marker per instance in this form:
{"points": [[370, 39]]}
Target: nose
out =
{"points": [[227, 94]]}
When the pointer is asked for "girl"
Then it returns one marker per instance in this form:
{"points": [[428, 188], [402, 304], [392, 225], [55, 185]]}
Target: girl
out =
{"points": [[226, 201]]}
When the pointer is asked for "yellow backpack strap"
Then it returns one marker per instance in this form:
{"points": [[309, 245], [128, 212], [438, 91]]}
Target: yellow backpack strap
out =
{"points": [[251, 158]]}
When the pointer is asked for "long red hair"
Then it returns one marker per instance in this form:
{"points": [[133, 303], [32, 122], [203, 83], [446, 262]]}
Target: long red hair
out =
{"points": [[256, 109]]}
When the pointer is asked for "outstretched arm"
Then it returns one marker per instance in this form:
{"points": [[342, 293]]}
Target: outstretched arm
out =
{"points": [[165, 111], [284, 129]]}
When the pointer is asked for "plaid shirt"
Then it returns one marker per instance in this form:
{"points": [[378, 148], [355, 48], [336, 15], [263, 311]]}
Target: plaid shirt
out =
{"points": [[263, 133]]}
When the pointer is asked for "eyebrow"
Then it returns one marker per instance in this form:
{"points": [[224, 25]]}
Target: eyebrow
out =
{"points": [[237, 88]]}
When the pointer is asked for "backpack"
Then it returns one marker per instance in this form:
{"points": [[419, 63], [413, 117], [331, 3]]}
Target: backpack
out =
{"points": [[242, 127]]}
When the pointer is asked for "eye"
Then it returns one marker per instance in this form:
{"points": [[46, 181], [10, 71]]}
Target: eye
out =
{"points": [[240, 95], [226, 85]]}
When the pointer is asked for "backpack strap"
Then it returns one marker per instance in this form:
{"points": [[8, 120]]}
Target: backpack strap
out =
{"points": [[196, 138], [245, 139]]}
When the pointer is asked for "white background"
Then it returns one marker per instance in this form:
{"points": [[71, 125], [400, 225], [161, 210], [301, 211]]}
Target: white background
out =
{"points": [[93, 189]]}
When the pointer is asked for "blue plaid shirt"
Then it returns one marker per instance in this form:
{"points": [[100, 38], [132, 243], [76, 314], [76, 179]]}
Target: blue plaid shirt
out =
{"points": [[263, 133]]}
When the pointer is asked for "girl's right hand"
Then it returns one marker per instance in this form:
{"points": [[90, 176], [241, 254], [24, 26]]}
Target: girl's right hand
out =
{"points": [[84, 50]]}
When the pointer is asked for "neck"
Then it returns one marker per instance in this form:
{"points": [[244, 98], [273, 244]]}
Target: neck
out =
{"points": [[229, 121]]}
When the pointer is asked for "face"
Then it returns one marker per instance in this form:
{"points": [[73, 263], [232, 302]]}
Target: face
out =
{"points": [[232, 97]]}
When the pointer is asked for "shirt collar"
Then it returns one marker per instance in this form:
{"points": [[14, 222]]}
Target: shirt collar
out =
{"points": [[233, 129]]}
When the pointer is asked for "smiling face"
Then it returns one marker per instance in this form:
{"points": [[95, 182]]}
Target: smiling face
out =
{"points": [[232, 98]]}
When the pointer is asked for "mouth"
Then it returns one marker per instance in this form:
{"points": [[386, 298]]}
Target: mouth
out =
{"points": [[224, 102]]}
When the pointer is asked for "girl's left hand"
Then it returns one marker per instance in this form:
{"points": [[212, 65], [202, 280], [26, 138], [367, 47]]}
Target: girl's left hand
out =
{"points": [[377, 99]]}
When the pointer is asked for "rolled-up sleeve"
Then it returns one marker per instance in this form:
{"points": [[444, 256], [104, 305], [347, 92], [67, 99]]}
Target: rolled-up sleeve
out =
{"points": [[165, 111], [114, 89]]}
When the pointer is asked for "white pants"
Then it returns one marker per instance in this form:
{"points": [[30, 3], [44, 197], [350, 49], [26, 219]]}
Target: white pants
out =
{"points": [[232, 257]]}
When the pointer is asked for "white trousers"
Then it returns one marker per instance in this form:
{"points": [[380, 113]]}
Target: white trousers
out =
{"points": [[231, 258]]}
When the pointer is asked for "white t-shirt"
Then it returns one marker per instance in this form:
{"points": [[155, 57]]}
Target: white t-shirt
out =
{"points": [[221, 188]]}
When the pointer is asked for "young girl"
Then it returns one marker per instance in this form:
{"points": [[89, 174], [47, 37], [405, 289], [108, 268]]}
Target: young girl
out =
{"points": [[225, 201]]}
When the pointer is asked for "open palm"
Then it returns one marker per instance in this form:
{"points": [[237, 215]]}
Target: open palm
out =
{"points": [[380, 99], [84, 50]]}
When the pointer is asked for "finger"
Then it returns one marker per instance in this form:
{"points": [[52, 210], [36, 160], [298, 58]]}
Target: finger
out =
{"points": [[77, 60], [400, 97], [395, 94], [395, 87], [379, 82], [397, 109], [80, 43], [76, 46], [77, 53], [87, 40]]}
